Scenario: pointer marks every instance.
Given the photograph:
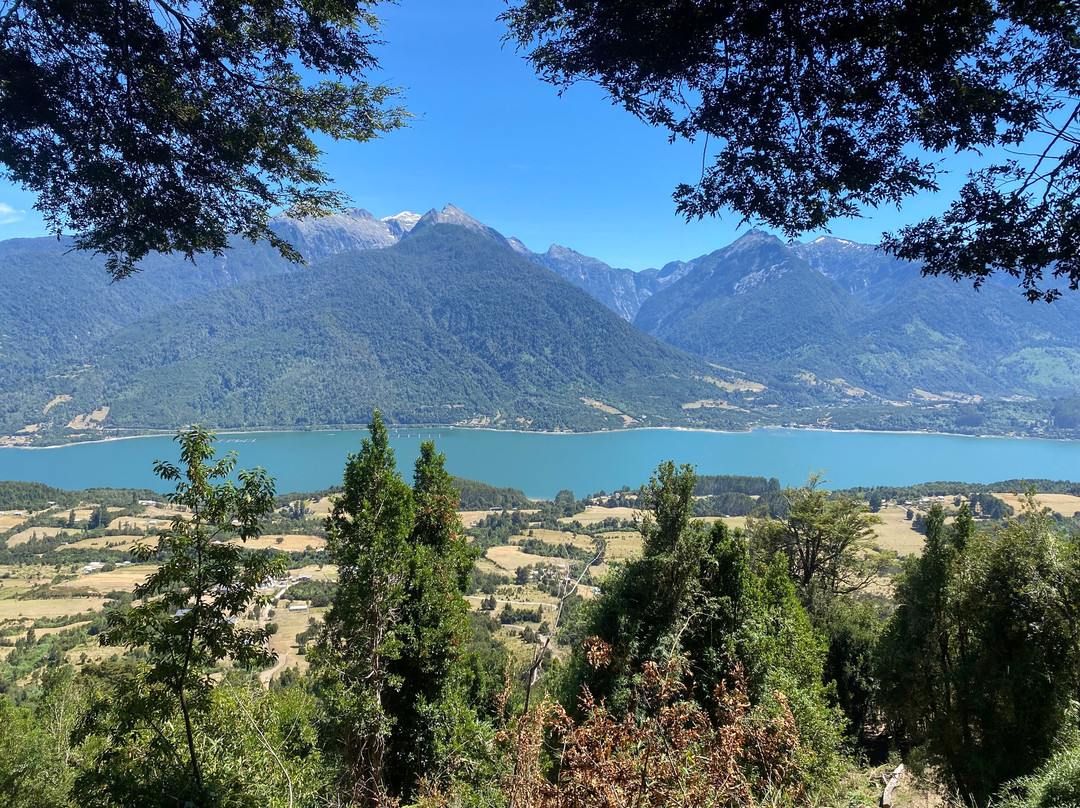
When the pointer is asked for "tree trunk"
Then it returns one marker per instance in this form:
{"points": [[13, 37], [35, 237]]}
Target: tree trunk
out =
{"points": [[890, 786]]}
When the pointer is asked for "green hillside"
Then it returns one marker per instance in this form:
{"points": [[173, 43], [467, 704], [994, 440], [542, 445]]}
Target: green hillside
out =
{"points": [[833, 323], [448, 326]]}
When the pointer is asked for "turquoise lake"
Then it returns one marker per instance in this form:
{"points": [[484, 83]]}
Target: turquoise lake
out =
{"points": [[541, 464]]}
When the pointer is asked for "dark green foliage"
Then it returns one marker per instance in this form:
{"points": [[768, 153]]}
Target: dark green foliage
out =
{"points": [[389, 653], [147, 126], [851, 630], [259, 747], [816, 112], [520, 614], [824, 539], [34, 745], [980, 661], [712, 484], [989, 506], [496, 529], [1066, 415], [316, 593], [477, 496], [424, 703], [36, 496], [485, 665], [771, 504], [694, 592], [368, 540], [1056, 784], [486, 582]]}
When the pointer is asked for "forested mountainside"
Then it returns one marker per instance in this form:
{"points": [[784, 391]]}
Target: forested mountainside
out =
{"points": [[448, 326], [844, 321], [440, 319], [56, 302]]}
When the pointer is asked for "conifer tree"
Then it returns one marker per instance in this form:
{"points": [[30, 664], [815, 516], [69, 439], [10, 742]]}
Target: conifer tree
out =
{"points": [[386, 657], [435, 625]]}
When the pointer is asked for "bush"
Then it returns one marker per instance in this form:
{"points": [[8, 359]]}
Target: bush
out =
{"points": [[1055, 785]]}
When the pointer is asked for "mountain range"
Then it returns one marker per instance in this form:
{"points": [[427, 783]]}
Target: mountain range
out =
{"points": [[439, 319]]}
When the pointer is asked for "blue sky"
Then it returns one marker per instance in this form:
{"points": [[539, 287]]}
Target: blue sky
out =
{"points": [[489, 137]]}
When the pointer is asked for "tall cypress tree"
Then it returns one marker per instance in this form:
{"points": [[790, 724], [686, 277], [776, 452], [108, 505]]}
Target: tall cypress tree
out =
{"points": [[368, 535], [434, 626], [387, 655]]}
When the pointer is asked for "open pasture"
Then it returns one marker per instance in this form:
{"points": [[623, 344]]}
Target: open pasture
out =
{"points": [[485, 564], [123, 543], [24, 536], [508, 558], [288, 543], [733, 522], [596, 513], [10, 519], [1066, 505], [895, 532], [579, 540], [622, 545], [12, 609], [121, 579]]}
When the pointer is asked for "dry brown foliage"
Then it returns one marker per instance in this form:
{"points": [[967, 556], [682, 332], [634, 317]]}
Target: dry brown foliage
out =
{"points": [[670, 753]]}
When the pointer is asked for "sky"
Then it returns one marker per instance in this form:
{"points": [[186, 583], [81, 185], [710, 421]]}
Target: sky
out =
{"points": [[489, 137]]}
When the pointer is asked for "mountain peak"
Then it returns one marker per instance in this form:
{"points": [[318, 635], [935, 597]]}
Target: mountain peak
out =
{"points": [[401, 223], [518, 246], [756, 236], [455, 216]]}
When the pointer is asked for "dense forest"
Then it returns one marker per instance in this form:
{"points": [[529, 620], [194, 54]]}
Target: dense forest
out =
{"points": [[714, 666], [429, 330]]}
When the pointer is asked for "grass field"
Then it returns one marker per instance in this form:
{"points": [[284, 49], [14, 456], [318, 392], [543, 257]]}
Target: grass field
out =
{"points": [[42, 533], [289, 543], [484, 564], [622, 545], [508, 558], [596, 513], [121, 578], [735, 522], [103, 542], [10, 519], [579, 540], [895, 532], [13, 609], [1064, 504]]}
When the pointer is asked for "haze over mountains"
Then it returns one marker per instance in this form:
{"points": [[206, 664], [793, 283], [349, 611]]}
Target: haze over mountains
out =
{"points": [[440, 319]]}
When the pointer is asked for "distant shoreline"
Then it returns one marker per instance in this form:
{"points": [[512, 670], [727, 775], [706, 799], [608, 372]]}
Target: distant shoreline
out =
{"points": [[393, 428]]}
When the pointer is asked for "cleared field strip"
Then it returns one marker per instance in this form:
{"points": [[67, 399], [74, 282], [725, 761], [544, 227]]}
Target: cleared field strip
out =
{"points": [[509, 558], [12, 609], [1064, 504], [596, 513]]}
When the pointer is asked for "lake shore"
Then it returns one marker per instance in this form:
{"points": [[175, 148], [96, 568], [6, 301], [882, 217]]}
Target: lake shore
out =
{"points": [[224, 433]]}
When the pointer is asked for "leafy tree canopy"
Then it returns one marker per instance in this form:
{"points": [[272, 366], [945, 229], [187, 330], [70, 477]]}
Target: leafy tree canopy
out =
{"points": [[146, 125], [187, 611], [810, 111]]}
